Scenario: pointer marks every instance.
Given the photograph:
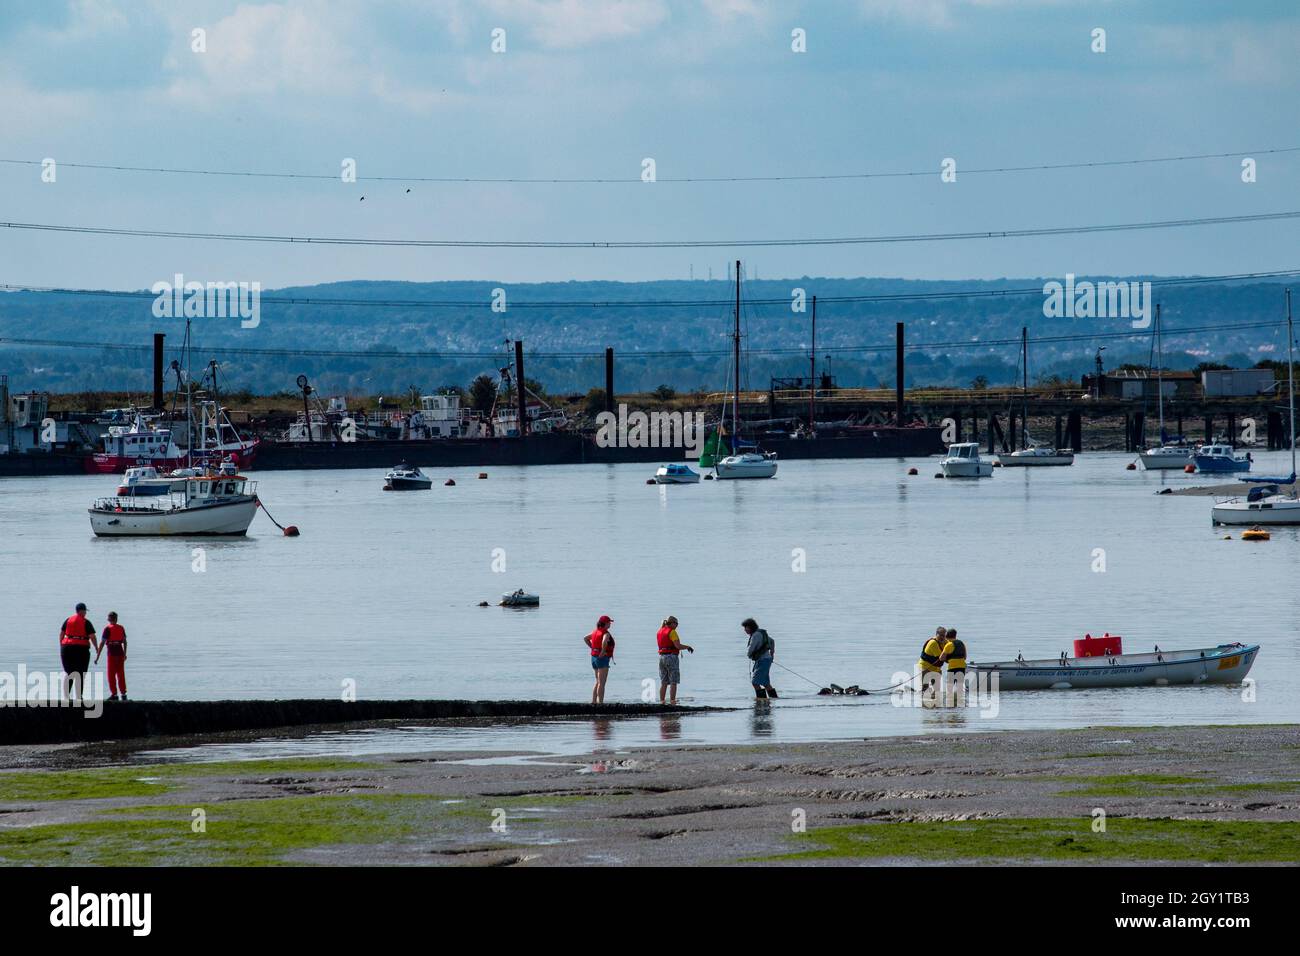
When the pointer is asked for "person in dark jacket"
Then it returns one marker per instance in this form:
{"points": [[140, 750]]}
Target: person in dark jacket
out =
{"points": [[760, 651]]}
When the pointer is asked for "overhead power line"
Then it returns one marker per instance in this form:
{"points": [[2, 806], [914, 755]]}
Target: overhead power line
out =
{"points": [[321, 302], [654, 244], [614, 180]]}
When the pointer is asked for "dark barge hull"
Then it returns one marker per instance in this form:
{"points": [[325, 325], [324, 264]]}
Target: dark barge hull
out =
{"points": [[43, 463], [571, 450]]}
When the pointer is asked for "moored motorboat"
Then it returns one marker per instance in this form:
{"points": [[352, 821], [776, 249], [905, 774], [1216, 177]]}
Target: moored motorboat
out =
{"points": [[1036, 456], [209, 504], [1223, 664], [676, 474], [520, 598], [1165, 457], [406, 477], [1220, 458], [750, 464], [963, 461], [145, 481]]}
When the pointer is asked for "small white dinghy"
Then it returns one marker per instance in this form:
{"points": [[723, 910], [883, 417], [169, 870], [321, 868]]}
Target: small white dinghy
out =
{"points": [[1224, 664], [676, 474], [520, 598]]}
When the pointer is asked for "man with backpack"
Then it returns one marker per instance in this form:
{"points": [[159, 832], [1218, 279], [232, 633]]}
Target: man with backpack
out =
{"points": [[761, 651]]}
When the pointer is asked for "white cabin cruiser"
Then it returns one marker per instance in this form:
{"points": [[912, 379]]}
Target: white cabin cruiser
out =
{"points": [[146, 482], [676, 474], [750, 464], [210, 504], [406, 477], [963, 461], [1165, 457]]}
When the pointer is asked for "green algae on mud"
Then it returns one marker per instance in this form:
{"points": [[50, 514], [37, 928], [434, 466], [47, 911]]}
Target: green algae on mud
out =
{"points": [[144, 780], [1126, 839], [234, 833], [1155, 784]]}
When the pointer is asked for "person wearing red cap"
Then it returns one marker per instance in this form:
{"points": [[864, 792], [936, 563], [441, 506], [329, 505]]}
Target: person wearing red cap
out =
{"points": [[601, 642]]}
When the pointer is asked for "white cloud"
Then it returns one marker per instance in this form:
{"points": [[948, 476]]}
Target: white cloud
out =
{"points": [[567, 24]]}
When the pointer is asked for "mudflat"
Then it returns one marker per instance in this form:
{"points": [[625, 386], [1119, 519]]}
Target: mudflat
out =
{"points": [[1107, 795]]}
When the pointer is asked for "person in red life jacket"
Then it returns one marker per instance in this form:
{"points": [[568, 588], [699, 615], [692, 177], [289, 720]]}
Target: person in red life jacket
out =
{"points": [[601, 642], [670, 657], [76, 637], [115, 641]]}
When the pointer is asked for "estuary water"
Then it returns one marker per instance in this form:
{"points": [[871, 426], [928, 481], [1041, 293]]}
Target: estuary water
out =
{"points": [[848, 564]]}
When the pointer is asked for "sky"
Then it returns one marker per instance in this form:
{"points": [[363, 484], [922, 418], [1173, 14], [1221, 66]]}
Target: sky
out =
{"points": [[587, 89]]}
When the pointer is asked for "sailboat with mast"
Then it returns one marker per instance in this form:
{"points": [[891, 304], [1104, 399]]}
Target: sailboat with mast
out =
{"points": [[1031, 453], [1171, 452], [1267, 503], [741, 463]]}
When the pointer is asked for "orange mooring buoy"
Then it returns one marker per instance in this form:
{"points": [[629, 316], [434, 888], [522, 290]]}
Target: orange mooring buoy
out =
{"points": [[291, 531], [1131, 466], [1189, 469]]}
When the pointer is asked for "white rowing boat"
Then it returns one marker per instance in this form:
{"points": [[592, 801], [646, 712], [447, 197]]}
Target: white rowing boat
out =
{"points": [[1224, 664]]}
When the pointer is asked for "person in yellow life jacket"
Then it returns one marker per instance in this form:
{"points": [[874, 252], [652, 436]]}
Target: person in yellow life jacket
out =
{"points": [[954, 655], [76, 638], [931, 662]]}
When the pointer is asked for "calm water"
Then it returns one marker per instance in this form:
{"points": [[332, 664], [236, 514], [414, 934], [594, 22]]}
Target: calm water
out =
{"points": [[382, 589]]}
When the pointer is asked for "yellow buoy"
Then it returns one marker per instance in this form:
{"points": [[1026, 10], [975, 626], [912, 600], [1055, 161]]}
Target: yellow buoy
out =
{"points": [[1255, 534]]}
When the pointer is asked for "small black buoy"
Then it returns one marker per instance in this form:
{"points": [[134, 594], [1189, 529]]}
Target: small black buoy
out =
{"points": [[482, 475], [938, 474], [484, 604], [708, 477], [912, 471], [649, 481], [449, 482]]}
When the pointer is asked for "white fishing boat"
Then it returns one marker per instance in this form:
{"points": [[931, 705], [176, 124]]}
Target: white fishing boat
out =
{"points": [[146, 482], [963, 461], [747, 465], [406, 477], [1031, 454], [211, 504], [1268, 504], [676, 474], [1224, 664]]}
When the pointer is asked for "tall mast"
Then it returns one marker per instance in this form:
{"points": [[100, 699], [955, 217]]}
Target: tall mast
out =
{"points": [[1160, 375], [735, 395], [1290, 375], [812, 374], [1024, 389], [189, 403]]}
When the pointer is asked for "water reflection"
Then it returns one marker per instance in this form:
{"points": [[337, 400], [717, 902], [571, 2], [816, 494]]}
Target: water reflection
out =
{"points": [[761, 721]]}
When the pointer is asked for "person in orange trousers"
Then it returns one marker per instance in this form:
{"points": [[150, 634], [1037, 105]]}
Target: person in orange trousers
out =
{"points": [[114, 638]]}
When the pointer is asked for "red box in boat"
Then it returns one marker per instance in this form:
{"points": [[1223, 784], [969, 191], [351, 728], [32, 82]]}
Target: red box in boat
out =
{"points": [[1108, 645]]}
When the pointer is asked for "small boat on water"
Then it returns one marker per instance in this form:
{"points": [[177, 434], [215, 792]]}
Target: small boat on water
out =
{"points": [[1267, 503], [1036, 456], [1223, 664], [1220, 458], [676, 474], [750, 464], [1165, 457], [963, 461], [144, 481], [209, 504], [1031, 454], [520, 598], [406, 477]]}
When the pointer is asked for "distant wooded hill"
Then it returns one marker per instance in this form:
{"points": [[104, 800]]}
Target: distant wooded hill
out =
{"points": [[698, 334]]}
